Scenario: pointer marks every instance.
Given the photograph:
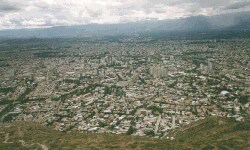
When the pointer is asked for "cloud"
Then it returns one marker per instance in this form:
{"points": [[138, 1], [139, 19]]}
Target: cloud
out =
{"points": [[9, 6], [47, 13], [238, 5]]}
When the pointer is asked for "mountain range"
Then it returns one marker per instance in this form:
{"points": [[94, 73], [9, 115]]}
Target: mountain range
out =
{"points": [[228, 22]]}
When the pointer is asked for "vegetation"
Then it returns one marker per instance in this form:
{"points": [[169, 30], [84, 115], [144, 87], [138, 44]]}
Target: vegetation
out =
{"points": [[244, 99], [6, 90], [131, 130], [214, 133], [102, 124], [155, 109], [210, 133]]}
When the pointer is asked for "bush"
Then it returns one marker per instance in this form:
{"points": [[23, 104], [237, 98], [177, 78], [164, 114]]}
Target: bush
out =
{"points": [[149, 133], [244, 99], [131, 130], [102, 124], [155, 109]]}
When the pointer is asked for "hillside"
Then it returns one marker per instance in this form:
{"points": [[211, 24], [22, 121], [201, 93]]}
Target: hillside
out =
{"points": [[214, 133], [211, 133]]}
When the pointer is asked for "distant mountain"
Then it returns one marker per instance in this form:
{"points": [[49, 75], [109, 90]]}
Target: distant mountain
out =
{"points": [[236, 21]]}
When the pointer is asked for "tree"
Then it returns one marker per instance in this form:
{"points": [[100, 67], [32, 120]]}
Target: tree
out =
{"points": [[244, 99], [233, 111], [131, 130], [149, 133], [107, 90], [102, 124], [155, 109], [112, 127]]}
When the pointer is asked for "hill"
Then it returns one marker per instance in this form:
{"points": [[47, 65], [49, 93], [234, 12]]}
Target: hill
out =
{"points": [[224, 22], [210, 133], [214, 133]]}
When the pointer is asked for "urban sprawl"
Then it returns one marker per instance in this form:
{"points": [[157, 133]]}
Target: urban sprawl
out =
{"points": [[136, 86]]}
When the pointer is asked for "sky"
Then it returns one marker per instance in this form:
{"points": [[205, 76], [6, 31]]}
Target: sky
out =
{"points": [[48, 13]]}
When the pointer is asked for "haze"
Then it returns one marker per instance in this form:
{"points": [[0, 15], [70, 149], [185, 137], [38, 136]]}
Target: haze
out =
{"points": [[15, 14]]}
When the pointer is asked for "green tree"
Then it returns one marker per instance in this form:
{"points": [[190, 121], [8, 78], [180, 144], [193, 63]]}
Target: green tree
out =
{"points": [[131, 130], [150, 133], [244, 99], [102, 124]]}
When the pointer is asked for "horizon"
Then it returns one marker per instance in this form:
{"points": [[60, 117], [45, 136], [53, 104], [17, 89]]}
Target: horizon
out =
{"points": [[122, 23], [142, 74], [46, 13]]}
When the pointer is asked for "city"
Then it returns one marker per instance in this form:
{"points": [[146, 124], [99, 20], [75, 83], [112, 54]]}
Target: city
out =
{"points": [[136, 86]]}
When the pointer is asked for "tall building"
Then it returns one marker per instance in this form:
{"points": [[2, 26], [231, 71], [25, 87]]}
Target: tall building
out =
{"points": [[158, 71], [201, 67], [11, 73], [172, 58], [210, 66]]}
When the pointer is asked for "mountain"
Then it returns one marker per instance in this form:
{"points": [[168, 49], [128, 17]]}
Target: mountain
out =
{"points": [[210, 133], [236, 21]]}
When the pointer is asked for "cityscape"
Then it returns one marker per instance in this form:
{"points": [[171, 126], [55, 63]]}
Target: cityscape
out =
{"points": [[124, 75], [139, 87]]}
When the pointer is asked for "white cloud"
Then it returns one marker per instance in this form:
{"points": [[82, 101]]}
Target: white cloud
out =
{"points": [[46, 13]]}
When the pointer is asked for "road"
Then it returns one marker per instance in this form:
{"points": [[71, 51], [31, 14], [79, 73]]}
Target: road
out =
{"points": [[157, 124]]}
